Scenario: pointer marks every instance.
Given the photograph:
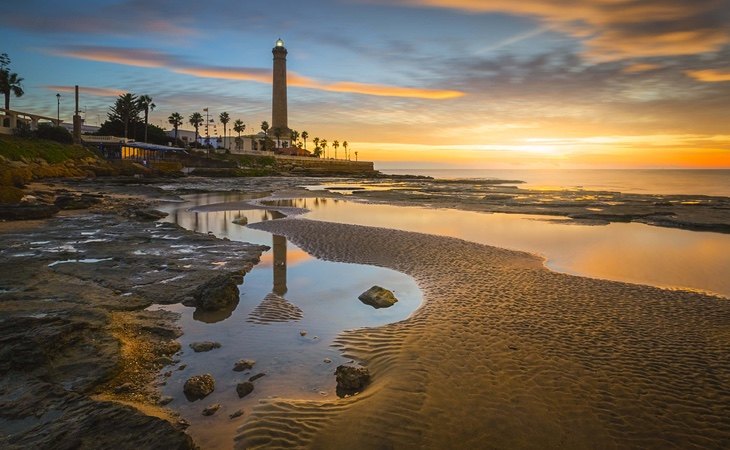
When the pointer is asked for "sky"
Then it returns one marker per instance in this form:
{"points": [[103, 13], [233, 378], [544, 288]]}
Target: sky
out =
{"points": [[408, 83]]}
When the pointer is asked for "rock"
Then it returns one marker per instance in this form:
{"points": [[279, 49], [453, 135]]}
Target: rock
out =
{"points": [[244, 389], [27, 212], [303, 333], [212, 409], [351, 379], [147, 214], [199, 386], [256, 377], [217, 293], [83, 201], [238, 413], [328, 361], [182, 367], [378, 297], [204, 346], [164, 400], [243, 364], [124, 388], [164, 360]]}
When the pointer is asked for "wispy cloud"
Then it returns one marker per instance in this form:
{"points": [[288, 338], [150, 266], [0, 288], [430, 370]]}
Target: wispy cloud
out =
{"points": [[710, 75], [613, 30], [641, 67], [154, 59], [86, 90]]}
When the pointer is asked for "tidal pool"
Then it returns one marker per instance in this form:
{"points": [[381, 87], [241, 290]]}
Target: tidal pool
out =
{"points": [[291, 308], [631, 252]]}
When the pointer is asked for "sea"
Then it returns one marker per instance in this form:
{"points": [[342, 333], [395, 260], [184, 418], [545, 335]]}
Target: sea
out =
{"points": [[714, 182]]}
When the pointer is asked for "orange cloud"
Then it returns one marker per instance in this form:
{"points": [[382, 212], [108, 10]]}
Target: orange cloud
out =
{"points": [[152, 59], [127, 57], [710, 75], [640, 67], [85, 90], [618, 29]]}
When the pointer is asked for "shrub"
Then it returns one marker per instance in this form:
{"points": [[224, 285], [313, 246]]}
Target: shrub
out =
{"points": [[53, 133]]}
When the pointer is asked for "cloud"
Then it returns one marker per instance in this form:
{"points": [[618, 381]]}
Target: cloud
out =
{"points": [[86, 90], [710, 75], [154, 59], [641, 67], [613, 30]]}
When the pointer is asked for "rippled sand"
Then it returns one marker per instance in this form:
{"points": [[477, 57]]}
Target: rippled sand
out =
{"points": [[506, 354]]}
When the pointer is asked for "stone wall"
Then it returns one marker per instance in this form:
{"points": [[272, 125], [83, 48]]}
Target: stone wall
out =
{"points": [[324, 166]]}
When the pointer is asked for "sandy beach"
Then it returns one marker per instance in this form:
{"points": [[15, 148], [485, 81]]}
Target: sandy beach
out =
{"points": [[506, 354]]}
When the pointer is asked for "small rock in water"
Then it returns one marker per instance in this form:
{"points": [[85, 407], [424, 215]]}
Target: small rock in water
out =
{"points": [[238, 413], [165, 400], [378, 297], [182, 423], [243, 364], [204, 346], [244, 389], [182, 367], [256, 377], [303, 333], [199, 386], [212, 409], [327, 360], [351, 379]]}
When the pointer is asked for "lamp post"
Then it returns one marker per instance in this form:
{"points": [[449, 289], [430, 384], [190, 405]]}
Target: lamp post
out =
{"points": [[58, 110]]}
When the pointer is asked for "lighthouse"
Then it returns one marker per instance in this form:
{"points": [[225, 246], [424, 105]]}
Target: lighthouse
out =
{"points": [[278, 98]]}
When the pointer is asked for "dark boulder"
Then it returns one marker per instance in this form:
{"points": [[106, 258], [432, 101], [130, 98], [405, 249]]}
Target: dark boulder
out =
{"points": [[199, 386], [378, 297], [351, 379]]}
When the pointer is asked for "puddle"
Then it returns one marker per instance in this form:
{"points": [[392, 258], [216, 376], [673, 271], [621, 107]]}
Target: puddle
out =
{"points": [[631, 252], [291, 308], [83, 261]]}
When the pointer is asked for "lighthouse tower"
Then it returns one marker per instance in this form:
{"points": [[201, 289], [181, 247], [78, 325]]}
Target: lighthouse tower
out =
{"points": [[278, 98]]}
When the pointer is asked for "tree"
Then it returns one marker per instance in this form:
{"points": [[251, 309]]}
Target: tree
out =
{"points": [[344, 145], [239, 127], [144, 103], [305, 135], [323, 143], [196, 119], [294, 138], [224, 118], [175, 120], [125, 110], [265, 129], [316, 142], [277, 133], [335, 144], [10, 83]]}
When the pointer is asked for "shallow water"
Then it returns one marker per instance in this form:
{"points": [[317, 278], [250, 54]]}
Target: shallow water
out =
{"points": [[630, 252], [636, 181], [291, 353]]}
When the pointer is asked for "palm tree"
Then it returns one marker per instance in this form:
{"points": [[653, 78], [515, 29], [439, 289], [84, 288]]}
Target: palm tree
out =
{"points": [[305, 135], [239, 127], [344, 145], [175, 120], [294, 138], [335, 144], [224, 118], [196, 119], [9, 82], [323, 143], [144, 103]]}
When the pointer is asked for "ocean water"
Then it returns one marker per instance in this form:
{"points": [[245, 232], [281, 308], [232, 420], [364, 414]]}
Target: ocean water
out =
{"points": [[637, 181]]}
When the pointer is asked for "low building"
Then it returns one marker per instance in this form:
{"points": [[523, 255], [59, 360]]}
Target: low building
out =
{"points": [[11, 119], [139, 151]]}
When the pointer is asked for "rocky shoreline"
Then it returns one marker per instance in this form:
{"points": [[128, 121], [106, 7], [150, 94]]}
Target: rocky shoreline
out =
{"points": [[79, 354]]}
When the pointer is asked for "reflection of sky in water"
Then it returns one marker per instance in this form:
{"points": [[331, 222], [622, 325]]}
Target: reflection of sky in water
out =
{"points": [[325, 292], [619, 251]]}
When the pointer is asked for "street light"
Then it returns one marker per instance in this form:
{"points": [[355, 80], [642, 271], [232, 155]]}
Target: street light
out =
{"points": [[58, 110]]}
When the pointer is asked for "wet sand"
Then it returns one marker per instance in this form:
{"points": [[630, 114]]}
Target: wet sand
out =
{"points": [[507, 354]]}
